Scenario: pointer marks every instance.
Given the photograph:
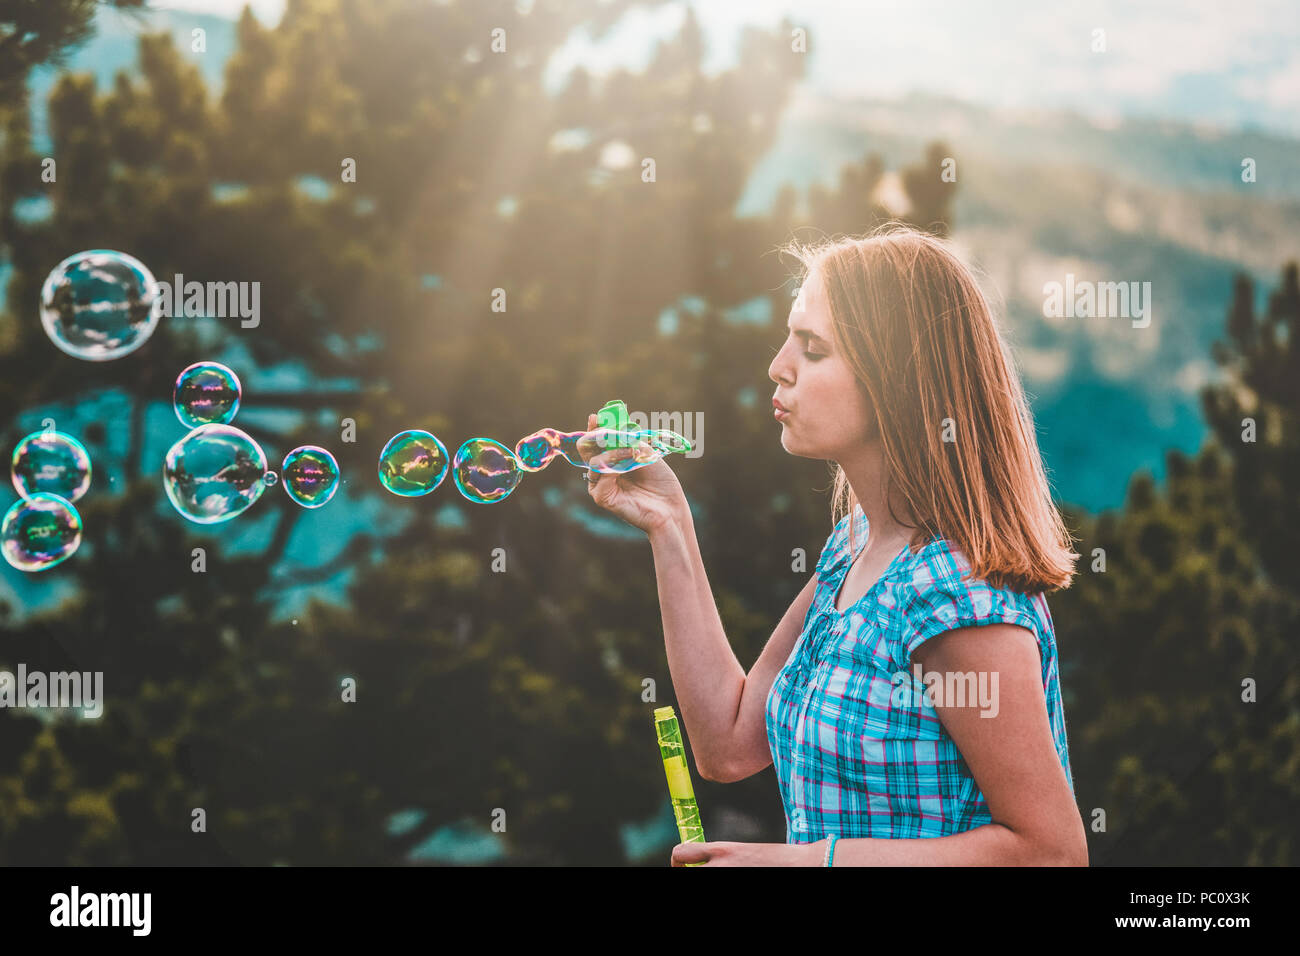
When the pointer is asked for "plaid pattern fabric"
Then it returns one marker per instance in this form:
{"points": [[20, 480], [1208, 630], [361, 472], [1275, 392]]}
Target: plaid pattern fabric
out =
{"points": [[858, 749]]}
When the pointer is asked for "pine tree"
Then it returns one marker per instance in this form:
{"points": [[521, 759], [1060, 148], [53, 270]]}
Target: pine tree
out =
{"points": [[1192, 610], [476, 690]]}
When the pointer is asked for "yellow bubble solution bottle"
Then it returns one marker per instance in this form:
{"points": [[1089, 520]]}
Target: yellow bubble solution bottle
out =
{"points": [[685, 810]]}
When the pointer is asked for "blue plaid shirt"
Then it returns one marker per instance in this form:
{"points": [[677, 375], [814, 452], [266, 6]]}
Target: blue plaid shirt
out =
{"points": [[858, 749]]}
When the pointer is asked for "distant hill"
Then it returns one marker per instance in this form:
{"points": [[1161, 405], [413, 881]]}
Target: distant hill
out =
{"points": [[821, 131], [1041, 195]]}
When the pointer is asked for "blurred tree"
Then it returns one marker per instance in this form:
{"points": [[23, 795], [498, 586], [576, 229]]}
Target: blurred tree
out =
{"points": [[34, 33], [522, 690], [1256, 416], [476, 690], [1195, 598], [37, 32]]}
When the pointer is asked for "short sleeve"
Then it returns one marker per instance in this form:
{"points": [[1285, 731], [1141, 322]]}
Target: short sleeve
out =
{"points": [[938, 600]]}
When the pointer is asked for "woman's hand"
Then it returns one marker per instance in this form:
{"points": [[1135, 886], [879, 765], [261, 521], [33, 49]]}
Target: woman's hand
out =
{"points": [[647, 498], [749, 854]]}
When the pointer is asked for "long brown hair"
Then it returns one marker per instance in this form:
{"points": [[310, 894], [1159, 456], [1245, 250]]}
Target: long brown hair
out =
{"points": [[919, 335]]}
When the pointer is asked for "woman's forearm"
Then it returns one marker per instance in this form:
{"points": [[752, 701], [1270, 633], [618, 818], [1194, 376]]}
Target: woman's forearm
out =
{"points": [[707, 677], [990, 845]]}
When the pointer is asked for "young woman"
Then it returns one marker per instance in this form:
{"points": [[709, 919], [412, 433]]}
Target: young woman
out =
{"points": [[909, 697]]}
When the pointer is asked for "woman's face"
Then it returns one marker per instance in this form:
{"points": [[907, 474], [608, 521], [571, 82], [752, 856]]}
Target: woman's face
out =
{"points": [[829, 415]]}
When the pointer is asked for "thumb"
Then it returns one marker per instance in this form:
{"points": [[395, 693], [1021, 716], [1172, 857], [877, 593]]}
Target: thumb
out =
{"points": [[690, 853]]}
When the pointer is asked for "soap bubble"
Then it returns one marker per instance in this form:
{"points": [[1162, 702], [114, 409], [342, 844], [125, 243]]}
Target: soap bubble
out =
{"points": [[214, 473], [413, 463], [51, 462], [270, 478], [311, 475], [615, 453], [39, 532], [486, 471], [206, 393], [604, 450], [100, 304], [536, 450]]}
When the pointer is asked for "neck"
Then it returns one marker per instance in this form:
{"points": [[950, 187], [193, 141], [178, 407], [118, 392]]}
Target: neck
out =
{"points": [[866, 473]]}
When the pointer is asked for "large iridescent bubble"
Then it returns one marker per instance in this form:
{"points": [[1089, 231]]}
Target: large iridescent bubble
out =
{"points": [[413, 463], [100, 304], [214, 473], [51, 462], [485, 470], [615, 453], [39, 532], [311, 475], [206, 393], [603, 450]]}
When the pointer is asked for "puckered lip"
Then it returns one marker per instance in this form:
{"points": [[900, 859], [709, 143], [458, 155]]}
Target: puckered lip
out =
{"points": [[778, 405]]}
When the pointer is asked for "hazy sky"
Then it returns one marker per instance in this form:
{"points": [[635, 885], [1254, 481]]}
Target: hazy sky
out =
{"points": [[1225, 63]]}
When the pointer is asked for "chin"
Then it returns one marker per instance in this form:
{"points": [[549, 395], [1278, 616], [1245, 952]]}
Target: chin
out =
{"points": [[792, 446]]}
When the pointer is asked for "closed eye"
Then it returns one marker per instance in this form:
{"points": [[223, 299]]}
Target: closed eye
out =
{"points": [[811, 356]]}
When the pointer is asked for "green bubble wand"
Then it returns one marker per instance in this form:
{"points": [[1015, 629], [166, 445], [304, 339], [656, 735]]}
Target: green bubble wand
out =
{"points": [[685, 810]]}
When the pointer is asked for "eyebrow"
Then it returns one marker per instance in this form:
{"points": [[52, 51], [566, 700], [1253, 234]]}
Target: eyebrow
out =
{"points": [[808, 334]]}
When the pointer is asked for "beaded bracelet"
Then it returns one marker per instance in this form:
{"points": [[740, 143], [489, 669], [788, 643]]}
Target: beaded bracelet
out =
{"points": [[830, 849]]}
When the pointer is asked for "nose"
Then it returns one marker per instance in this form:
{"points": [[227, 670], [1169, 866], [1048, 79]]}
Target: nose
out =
{"points": [[782, 368]]}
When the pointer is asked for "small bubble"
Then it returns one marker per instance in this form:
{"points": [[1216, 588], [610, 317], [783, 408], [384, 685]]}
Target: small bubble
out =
{"points": [[413, 463], [39, 532], [486, 471], [206, 393], [51, 462], [311, 475]]}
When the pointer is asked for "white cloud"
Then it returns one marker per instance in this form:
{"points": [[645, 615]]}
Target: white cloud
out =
{"points": [[1161, 54], [1279, 89], [1011, 54]]}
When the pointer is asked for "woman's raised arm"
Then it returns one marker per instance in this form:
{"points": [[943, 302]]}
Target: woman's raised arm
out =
{"points": [[724, 709], [721, 708]]}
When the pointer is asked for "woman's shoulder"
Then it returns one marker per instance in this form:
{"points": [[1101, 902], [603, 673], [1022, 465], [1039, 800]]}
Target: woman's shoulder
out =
{"points": [[935, 591], [939, 563]]}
